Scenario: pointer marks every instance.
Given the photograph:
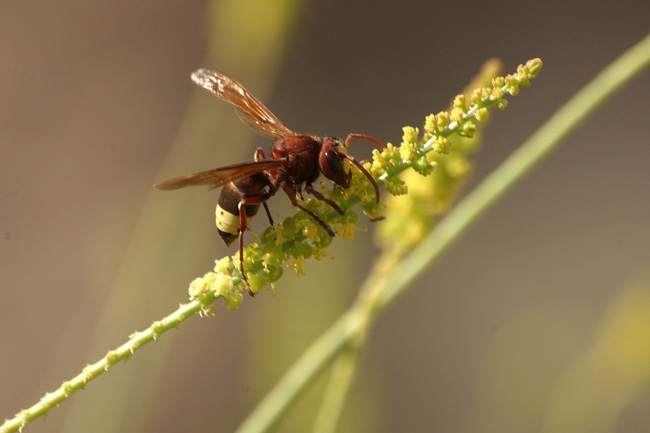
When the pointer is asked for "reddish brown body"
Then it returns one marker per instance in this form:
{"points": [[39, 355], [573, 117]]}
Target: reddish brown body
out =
{"points": [[302, 152], [296, 162]]}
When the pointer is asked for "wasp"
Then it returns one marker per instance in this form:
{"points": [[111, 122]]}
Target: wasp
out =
{"points": [[296, 160]]}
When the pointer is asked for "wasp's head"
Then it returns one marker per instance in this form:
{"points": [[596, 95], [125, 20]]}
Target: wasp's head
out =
{"points": [[333, 161]]}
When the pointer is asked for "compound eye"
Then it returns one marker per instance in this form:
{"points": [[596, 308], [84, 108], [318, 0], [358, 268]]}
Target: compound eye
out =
{"points": [[336, 168]]}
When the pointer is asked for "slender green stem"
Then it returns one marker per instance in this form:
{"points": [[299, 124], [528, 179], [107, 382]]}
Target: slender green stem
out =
{"points": [[476, 203], [90, 372], [336, 391], [363, 311], [312, 361]]}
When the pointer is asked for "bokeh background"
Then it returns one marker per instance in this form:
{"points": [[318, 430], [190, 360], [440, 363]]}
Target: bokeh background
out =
{"points": [[502, 334]]}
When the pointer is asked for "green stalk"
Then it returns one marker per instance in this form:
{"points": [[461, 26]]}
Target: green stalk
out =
{"points": [[90, 372]]}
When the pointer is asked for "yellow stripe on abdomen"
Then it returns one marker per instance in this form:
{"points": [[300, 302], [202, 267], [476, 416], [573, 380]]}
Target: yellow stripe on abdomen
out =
{"points": [[228, 222]]}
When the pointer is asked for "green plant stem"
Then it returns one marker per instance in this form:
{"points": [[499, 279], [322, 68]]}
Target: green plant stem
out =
{"points": [[364, 310], [336, 391], [90, 372], [531, 153]]}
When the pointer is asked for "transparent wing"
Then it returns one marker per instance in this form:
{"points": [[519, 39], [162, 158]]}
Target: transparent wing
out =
{"points": [[220, 176], [250, 110]]}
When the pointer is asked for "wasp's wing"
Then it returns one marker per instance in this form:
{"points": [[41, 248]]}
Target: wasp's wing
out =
{"points": [[220, 176], [249, 108]]}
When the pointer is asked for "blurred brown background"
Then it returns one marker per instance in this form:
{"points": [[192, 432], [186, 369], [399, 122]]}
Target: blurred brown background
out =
{"points": [[94, 94]]}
